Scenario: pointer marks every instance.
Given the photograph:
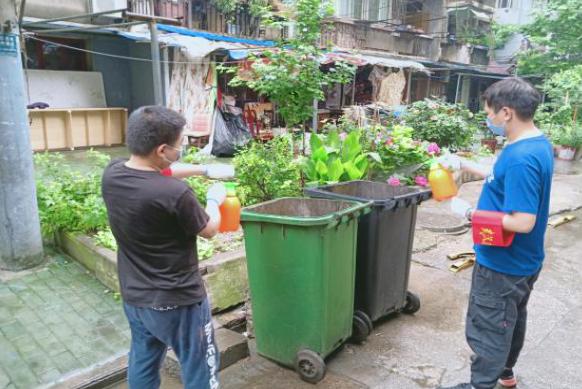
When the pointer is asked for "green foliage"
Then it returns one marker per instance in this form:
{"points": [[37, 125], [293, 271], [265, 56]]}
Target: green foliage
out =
{"points": [[106, 239], [448, 125], [567, 135], [400, 154], [335, 160], [565, 89], [502, 33], [266, 171], [205, 248], [290, 75], [555, 32], [68, 200], [200, 186]]}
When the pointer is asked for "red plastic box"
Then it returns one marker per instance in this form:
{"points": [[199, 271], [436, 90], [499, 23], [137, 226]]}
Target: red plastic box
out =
{"points": [[488, 229]]}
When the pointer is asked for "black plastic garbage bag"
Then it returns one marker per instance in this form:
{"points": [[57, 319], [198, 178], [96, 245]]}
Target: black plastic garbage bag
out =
{"points": [[230, 134]]}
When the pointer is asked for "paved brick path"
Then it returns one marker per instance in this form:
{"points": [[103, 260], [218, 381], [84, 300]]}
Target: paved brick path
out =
{"points": [[54, 321]]}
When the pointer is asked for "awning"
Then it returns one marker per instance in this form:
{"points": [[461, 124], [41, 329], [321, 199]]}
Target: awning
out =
{"points": [[478, 14], [376, 58], [215, 37]]}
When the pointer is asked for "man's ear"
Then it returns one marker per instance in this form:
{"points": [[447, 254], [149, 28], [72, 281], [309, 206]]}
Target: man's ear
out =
{"points": [[159, 151]]}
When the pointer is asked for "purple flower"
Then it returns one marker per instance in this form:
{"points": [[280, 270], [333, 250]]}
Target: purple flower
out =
{"points": [[393, 181], [433, 148], [343, 136], [421, 180]]}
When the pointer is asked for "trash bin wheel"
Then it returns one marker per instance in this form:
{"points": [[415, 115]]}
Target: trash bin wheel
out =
{"points": [[310, 366], [412, 303], [360, 329], [366, 318]]}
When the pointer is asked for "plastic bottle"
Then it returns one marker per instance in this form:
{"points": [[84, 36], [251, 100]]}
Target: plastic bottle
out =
{"points": [[230, 210], [441, 182]]}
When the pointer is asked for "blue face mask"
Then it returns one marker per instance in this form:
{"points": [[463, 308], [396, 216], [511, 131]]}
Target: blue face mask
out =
{"points": [[497, 130]]}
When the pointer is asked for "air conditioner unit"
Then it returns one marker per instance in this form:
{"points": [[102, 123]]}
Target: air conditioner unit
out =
{"points": [[108, 5]]}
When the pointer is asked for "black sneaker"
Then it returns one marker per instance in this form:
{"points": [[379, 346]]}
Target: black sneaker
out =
{"points": [[507, 379], [459, 386]]}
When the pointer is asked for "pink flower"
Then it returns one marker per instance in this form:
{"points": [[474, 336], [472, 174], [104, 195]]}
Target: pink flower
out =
{"points": [[393, 181], [343, 136], [389, 142], [433, 148], [421, 180]]}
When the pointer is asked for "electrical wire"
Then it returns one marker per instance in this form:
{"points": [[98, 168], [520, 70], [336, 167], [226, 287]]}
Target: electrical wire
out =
{"points": [[467, 66]]}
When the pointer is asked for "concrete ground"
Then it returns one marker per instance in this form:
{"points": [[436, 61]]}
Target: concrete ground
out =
{"points": [[429, 348], [54, 320]]}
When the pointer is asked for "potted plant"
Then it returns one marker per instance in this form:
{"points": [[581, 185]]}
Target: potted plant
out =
{"points": [[568, 139]]}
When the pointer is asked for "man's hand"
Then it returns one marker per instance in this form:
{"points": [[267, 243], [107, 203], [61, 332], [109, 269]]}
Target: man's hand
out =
{"points": [[216, 193], [454, 162], [450, 161], [219, 171], [462, 208]]}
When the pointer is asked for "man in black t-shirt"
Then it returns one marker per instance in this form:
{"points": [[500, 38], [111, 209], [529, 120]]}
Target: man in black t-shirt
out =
{"points": [[155, 220]]}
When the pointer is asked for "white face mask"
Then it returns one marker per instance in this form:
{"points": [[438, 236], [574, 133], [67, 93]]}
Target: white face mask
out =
{"points": [[180, 154]]}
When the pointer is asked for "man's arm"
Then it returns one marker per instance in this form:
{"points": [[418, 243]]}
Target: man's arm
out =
{"points": [[452, 161], [185, 170], [211, 228], [214, 197], [519, 222]]}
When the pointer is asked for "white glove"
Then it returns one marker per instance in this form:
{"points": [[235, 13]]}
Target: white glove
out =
{"points": [[216, 192], [461, 207], [219, 171], [450, 161]]}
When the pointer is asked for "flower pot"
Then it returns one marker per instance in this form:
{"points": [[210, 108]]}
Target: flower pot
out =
{"points": [[567, 153], [491, 144]]}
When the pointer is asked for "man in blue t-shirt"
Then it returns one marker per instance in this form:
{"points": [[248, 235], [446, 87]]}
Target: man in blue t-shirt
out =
{"points": [[518, 186]]}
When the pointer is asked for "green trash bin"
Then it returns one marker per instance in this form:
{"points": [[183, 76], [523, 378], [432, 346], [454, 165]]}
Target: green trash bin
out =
{"points": [[301, 265]]}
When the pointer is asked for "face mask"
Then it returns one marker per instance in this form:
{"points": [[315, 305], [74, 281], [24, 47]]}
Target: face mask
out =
{"points": [[180, 155], [497, 130]]}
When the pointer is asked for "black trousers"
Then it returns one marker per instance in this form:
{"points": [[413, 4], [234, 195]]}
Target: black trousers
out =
{"points": [[496, 323]]}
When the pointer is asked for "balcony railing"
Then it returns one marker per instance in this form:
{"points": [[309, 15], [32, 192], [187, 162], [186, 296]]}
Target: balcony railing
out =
{"points": [[201, 15]]}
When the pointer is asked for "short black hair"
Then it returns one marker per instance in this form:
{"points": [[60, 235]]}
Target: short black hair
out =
{"points": [[515, 93], [151, 126]]}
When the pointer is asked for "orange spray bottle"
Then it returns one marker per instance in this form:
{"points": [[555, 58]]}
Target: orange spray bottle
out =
{"points": [[441, 182], [230, 210]]}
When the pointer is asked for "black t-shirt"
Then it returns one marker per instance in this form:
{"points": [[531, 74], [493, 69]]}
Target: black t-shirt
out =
{"points": [[155, 220]]}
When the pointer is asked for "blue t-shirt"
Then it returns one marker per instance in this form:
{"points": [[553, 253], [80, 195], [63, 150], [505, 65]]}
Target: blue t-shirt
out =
{"points": [[520, 182]]}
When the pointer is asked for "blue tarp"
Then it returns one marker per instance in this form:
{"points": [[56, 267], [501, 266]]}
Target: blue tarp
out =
{"points": [[214, 37]]}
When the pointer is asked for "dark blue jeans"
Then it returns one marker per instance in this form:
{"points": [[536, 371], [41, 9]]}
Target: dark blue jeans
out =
{"points": [[188, 330]]}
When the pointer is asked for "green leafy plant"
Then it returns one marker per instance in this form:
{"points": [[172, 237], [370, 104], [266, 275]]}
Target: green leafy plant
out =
{"points": [[67, 199], [401, 155], [335, 160], [290, 75], [555, 33], [448, 125], [266, 171], [106, 239]]}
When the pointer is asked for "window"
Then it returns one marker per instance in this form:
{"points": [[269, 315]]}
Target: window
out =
{"points": [[48, 56], [504, 3], [372, 10]]}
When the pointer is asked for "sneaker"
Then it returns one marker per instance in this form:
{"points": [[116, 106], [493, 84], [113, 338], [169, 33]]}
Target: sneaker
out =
{"points": [[507, 379], [459, 386]]}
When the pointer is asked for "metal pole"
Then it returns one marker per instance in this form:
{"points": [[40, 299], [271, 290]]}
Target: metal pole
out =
{"points": [[166, 74], [189, 10], [65, 18], [156, 68], [459, 76], [354, 90], [20, 237], [315, 122]]}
